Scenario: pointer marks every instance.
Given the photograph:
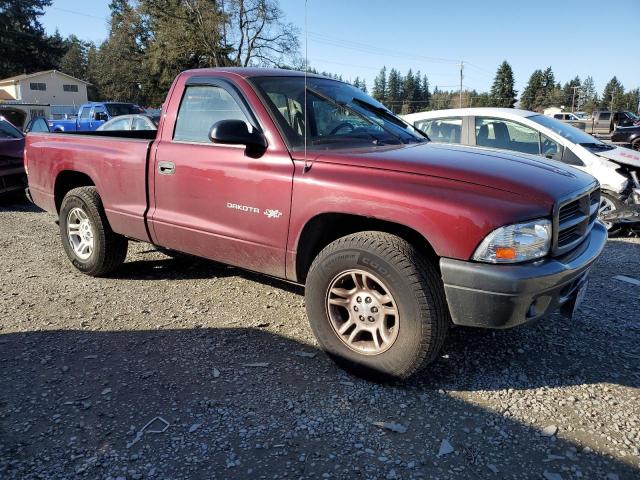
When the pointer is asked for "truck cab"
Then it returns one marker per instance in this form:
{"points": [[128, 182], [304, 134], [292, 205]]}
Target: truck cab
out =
{"points": [[92, 115]]}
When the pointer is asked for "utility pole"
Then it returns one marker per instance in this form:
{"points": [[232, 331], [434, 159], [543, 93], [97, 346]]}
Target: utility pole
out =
{"points": [[573, 99], [461, 67]]}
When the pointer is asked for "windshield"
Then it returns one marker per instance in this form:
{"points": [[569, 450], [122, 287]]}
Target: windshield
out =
{"points": [[632, 116], [340, 115], [9, 131], [573, 134], [117, 109]]}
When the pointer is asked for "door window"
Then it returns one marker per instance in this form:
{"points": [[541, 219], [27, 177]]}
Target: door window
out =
{"points": [[550, 148], [84, 113], [605, 116], [201, 108], [506, 135], [442, 130]]}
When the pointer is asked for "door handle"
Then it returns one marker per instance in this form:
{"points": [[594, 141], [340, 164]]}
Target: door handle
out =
{"points": [[166, 168]]}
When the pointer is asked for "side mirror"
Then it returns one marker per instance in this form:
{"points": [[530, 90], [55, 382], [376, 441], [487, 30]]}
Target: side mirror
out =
{"points": [[236, 132]]}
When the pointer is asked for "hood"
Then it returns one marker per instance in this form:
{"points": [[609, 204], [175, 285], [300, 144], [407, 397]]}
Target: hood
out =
{"points": [[621, 155], [524, 175]]}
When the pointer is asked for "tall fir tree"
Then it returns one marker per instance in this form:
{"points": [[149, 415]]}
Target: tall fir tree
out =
{"points": [[503, 93], [394, 91], [613, 95], [532, 90], [379, 91]]}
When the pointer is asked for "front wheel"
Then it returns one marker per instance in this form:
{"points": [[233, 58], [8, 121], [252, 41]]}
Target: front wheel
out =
{"points": [[87, 238], [609, 204], [376, 305]]}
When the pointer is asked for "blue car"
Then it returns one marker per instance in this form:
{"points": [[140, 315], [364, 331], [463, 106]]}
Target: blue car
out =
{"points": [[92, 115]]}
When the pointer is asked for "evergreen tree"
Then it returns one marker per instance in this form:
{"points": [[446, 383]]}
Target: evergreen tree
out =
{"points": [[394, 91], [569, 98], [613, 95], [588, 96], [532, 90], [409, 85], [503, 93], [74, 61], [426, 95], [380, 86], [24, 45]]}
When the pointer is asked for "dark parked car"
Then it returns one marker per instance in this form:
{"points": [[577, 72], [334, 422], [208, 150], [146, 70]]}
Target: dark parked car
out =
{"points": [[12, 174], [627, 135]]}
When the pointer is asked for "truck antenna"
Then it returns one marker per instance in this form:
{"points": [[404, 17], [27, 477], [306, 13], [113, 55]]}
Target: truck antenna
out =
{"points": [[307, 166]]}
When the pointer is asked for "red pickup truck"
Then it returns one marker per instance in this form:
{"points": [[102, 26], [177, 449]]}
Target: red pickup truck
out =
{"points": [[310, 180]]}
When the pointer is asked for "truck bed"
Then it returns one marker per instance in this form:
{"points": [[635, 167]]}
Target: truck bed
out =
{"points": [[115, 162]]}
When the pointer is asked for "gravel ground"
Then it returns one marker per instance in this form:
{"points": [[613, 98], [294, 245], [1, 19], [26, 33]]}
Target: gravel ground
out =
{"points": [[225, 363]]}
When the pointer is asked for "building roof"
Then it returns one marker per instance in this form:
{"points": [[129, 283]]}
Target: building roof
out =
{"points": [[24, 76]]}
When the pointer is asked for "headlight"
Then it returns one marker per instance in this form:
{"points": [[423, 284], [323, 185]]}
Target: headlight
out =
{"points": [[516, 243]]}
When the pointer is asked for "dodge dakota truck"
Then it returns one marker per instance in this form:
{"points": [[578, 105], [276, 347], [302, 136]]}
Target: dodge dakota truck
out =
{"points": [[310, 180]]}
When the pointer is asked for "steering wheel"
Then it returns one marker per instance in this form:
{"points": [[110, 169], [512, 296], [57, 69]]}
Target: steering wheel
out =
{"points": [[342, 125]]}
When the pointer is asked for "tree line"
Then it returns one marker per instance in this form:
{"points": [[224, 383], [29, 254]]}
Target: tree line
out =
{"points": [[150, 41]]}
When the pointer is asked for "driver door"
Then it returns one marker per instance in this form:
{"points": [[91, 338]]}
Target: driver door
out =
{"points": [[214, 200]]}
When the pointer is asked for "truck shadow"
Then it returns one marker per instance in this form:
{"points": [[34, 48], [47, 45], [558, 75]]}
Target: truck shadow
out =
{"points": [[554, 352], [72, 401]]}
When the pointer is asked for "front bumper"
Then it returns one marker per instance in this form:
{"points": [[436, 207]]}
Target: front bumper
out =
{"points": [[503, 296]]}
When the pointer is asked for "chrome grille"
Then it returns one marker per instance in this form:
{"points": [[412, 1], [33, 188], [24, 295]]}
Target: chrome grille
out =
{"points": [[574, 217]]}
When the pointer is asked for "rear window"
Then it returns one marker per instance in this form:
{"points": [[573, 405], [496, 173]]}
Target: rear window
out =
{"points": [[117, 109], [201, 108]]}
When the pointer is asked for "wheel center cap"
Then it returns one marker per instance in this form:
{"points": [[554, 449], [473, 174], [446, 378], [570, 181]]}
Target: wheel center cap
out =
{"points": [[365, 307]]}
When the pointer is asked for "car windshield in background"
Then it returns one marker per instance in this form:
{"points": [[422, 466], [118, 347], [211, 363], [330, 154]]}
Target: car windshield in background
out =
{"points": [[340, 115], [117, 109], [573, 134], [9, 131]]}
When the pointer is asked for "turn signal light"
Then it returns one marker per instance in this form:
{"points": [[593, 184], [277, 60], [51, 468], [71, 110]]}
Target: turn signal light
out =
{"points": [[505, 253]]}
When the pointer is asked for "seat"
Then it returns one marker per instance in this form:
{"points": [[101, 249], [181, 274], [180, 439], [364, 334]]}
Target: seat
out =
{"points": [[503, 140], [482, 138]]}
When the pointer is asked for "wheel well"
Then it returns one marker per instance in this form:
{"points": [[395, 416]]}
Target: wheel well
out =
{"points": [[323, 229], [68, 180]]}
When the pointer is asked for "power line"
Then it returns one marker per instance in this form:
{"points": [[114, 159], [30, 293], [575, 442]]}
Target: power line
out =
{"points": [[74, 12]]}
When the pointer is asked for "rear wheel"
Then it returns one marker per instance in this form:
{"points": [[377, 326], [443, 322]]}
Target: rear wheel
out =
{"points": [[87, 238], [376, 305], [636, 145]]}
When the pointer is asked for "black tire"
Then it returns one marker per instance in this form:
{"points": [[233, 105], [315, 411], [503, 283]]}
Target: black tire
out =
{"points": [[109, 248], [413, 282], [635, 145], [614, 228]]}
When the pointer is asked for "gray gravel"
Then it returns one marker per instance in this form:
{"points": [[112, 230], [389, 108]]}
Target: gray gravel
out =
{"points": [[221, 368]]}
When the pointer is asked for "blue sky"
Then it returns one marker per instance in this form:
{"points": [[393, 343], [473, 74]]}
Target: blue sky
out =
{"points": [[356, 37]]}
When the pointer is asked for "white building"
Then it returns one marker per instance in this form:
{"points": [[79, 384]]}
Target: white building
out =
{"points": [[40, 94], [49, 87]]}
